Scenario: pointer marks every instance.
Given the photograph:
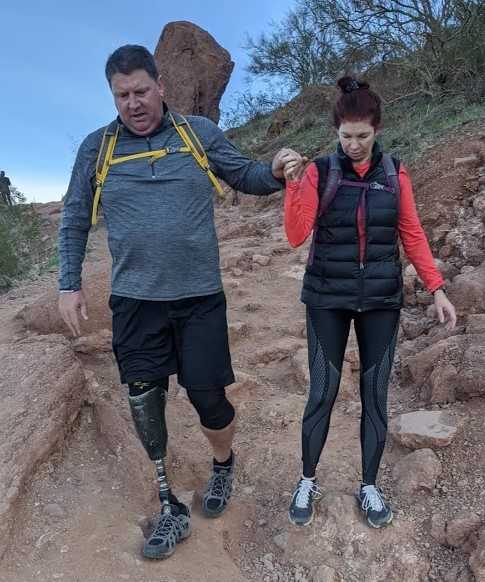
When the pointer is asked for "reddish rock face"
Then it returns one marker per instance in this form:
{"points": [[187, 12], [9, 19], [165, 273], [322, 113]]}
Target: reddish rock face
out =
{"points": [[194, 68]]}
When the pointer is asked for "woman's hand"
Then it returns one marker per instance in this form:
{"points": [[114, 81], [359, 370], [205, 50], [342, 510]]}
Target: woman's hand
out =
{"points": [[444, 309], [283, 158], [294, 168]]}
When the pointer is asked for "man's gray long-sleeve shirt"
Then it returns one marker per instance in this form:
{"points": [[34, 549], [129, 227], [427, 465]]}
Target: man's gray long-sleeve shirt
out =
{"points": [[159, 216]]}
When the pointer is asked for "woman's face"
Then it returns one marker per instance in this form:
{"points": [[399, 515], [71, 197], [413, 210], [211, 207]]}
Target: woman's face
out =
{"points": [[357, 139]]}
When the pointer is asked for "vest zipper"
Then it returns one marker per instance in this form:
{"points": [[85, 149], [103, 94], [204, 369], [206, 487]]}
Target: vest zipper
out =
{"points": [[362, 206], [152, 164]]}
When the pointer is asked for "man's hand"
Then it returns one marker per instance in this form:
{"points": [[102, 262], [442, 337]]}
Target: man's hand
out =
{"points": [[288, 162], [444, 309], [70, 305]]}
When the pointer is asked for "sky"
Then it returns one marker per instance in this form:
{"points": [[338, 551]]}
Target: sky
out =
{"points": [[52, 56]]}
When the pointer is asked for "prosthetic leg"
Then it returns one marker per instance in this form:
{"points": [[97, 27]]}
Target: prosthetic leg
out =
{"points": [[147, 403], [148, 412]]}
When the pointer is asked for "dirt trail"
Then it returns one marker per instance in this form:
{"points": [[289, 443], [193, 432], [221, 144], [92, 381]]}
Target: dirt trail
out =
{"points": [[83, 515]]}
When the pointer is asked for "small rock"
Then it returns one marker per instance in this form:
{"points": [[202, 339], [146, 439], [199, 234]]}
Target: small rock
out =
{"points": [[475, 323], [468, 161], [54, 510], [295, 272], [418, 471], [324, 573], [459, 529], [423, 429], [438, 528], [477, 559], [187, 497], [238, 330], [281, 540], [262, 260], [443, 381], [100, 341], [458, 574]]}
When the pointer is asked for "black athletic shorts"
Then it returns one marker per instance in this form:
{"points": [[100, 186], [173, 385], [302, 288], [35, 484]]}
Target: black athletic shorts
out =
{"points": [[154, 339]]}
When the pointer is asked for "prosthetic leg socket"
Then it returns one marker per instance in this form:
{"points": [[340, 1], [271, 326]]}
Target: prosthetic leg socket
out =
{"points": [[148, 412]]}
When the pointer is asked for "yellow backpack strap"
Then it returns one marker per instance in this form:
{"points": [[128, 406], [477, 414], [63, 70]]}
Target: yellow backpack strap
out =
{"points": [[103, 161], [190, 139]]}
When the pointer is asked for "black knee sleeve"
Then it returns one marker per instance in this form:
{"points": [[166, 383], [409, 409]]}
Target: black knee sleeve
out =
{"points": [[214, 409]]}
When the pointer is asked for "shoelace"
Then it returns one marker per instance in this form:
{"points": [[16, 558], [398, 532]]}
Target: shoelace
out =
{"points": [[218, 483], [305, 488], [167, 526], [372, 498]]}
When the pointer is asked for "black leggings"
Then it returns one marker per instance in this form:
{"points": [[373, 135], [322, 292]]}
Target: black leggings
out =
{"points": [[328, 332]]}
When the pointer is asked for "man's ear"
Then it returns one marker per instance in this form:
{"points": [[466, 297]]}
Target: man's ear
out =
{"points": [[161, 87]]}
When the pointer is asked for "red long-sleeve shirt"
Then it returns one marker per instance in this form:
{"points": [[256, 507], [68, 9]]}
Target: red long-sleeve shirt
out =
{"points": [[301, 207]]}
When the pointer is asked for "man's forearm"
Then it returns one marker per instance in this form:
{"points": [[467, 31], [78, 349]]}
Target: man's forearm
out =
{"points": [[72, 250], [257, 179]]}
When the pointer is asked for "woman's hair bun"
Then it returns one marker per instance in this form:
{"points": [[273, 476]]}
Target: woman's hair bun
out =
{"points": [[349, 84]]}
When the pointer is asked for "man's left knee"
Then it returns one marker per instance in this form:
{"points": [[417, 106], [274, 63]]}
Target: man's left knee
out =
{"points": [[214, 409]]}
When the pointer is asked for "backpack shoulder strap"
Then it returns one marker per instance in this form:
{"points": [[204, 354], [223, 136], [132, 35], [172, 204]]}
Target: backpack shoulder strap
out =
{"points": [[391, 169], [330, 173], [105, 153], [190, 139]]}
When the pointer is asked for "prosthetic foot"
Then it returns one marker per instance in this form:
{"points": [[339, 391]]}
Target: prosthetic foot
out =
{"points": [[148, 412]]}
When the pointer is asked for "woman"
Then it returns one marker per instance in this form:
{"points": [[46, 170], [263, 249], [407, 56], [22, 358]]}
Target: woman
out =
{"points": [[358, 203]]}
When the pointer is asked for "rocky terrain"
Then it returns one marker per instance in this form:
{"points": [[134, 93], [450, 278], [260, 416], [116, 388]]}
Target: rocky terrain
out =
{"points": [[77, 493]]}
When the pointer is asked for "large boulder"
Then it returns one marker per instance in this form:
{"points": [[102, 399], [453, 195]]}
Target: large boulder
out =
{"points": [[472, 380], [422, 364], [467, 291], [39, 405], [194, 68]]}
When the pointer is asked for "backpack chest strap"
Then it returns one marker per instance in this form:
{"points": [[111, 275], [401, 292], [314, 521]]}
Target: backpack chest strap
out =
{"points": [[154, 155]]}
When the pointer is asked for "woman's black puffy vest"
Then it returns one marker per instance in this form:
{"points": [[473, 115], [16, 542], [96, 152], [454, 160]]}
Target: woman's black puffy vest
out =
{"points": [[335, 278]]}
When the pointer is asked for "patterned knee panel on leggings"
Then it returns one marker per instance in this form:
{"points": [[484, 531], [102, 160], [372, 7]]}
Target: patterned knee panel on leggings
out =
{"points": [[324, 384], [373, 429]]}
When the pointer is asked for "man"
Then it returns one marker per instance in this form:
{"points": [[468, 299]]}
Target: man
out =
{"points": [[5, 189], [169, 309]]}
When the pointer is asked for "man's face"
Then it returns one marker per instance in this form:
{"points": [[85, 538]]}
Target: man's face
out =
{"points": [[138, 99]]}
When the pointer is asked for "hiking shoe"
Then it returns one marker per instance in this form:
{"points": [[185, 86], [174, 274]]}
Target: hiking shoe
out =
{"points": [[301, 509], [218, 490], [173, 527], [372, 503]]}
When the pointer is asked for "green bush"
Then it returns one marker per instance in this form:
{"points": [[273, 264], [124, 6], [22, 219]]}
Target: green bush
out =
{"points": [[20, 242]]}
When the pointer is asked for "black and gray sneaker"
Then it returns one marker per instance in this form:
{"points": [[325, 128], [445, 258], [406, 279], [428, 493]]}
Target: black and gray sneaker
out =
{"points": [[218, 490], [301, 509], [173, 527], [371, 502]]}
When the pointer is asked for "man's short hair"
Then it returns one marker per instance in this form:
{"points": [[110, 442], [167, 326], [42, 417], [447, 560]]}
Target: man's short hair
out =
{"points": [[129, 58]]}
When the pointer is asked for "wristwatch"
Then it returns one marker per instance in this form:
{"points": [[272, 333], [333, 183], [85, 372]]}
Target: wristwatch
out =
{"points": [[442, 288]]}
